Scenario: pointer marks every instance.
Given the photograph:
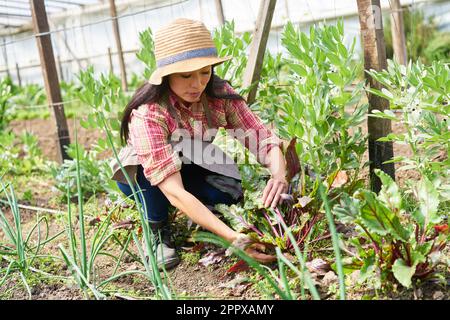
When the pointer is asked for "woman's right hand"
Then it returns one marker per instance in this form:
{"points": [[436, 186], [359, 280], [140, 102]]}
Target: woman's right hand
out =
{"points": [[253, 249], [256, 251]]}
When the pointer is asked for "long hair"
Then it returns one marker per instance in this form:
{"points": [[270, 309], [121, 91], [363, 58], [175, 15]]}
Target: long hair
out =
{"points": [[150, 93]]}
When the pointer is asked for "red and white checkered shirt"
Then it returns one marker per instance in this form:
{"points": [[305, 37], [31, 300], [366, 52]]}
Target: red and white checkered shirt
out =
{"points": [[151, 126]]}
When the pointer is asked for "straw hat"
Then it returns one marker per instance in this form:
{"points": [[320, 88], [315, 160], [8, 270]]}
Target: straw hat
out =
{"points": [[183, 46]]}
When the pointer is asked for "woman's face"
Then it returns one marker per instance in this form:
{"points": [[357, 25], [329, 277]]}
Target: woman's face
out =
{"points": [[189, 86]]}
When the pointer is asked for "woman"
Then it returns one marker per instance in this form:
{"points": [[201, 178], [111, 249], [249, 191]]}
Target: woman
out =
{"points": [[183, 95]]}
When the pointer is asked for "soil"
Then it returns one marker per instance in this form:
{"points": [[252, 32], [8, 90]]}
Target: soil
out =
{"points": [[45, 130], [188, 279]]}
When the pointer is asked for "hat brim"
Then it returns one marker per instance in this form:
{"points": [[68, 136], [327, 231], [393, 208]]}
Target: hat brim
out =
{"points": [[185, 66]]}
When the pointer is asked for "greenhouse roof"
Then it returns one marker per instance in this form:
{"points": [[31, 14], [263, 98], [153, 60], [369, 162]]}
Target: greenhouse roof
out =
{"points": [[15, 13]]}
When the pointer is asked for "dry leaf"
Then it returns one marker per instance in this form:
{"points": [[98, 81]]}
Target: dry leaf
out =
{"points": [[318, 266], [304, 201], [329, 278], [340, 179], [239, 266], [292, 160], [212, 257], [125, 224]]}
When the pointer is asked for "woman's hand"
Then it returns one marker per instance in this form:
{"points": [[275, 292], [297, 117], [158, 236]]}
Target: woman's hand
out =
{"points": [[277, 185], [251, 247], [256, 251], [274, 188]]}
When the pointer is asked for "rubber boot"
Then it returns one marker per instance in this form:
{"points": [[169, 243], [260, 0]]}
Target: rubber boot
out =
{"points": [[165, 253]]}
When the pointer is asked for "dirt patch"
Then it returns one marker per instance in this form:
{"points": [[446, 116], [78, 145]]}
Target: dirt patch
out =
{"points": [[44, 129]]}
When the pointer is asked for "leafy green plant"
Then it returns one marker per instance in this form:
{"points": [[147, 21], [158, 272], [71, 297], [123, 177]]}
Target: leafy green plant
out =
{"points": [[82, 256], [420, 33], [323, 109], [20, 155], [17, 248], [5, 95], [96, 173], [396, 240], [438, 48], [110, 103], [251, 216], [29, 95], [229, 44], [147, 52], [404, 239], [421, 94]]}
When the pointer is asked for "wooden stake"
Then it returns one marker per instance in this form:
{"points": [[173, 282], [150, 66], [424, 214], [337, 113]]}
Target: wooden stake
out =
{"points": [[5, 57], [111, 66], [60, 69], [115, 23], [220, 15], [47, 58], [398, 32], [258, 48], [19, 80], [375, 58]]}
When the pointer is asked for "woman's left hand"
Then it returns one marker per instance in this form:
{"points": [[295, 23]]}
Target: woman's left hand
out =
{"points": [[275, 187]]}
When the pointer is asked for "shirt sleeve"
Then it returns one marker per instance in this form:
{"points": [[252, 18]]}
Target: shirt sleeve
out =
{"points": [[253, 134], [149, 135]]}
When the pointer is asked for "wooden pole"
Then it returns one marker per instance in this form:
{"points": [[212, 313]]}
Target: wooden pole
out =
{"points": [[200, 8], [60, 69], [286, 6], [220, 15], [44, 44], [5, 58], [258, 48], [115, 23], [398, 32], [375, 58], [19, 79], [111, 66]]}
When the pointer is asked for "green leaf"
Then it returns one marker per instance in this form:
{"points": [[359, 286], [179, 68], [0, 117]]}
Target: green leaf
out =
{"points": [[390, 192], [387, 114], [336, 79], [403, 273], [380, 220], [334, 59], [428, 198], [300, 70]]}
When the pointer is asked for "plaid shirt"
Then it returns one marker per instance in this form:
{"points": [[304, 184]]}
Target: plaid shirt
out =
{"points": [[151, 126]]}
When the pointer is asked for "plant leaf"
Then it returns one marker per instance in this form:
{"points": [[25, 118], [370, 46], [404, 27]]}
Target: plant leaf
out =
{"points": [[403, 273]]}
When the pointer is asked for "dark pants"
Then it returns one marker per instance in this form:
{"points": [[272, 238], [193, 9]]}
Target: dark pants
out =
{"points": [[156, 203]]}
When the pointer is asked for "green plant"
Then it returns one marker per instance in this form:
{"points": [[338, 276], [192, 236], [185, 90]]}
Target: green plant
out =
{"points": [[106, 95], [96, 173], [80, 261], [191, 258], [404, 239], [229, 44], [21, 155], [17, 248], [146, 52], [322, 108], [419, 32], [395, 239], [5, 95], [421, 94], [438, 48]]}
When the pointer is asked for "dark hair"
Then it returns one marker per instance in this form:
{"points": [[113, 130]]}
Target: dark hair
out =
{"points": [[149, 93]]}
